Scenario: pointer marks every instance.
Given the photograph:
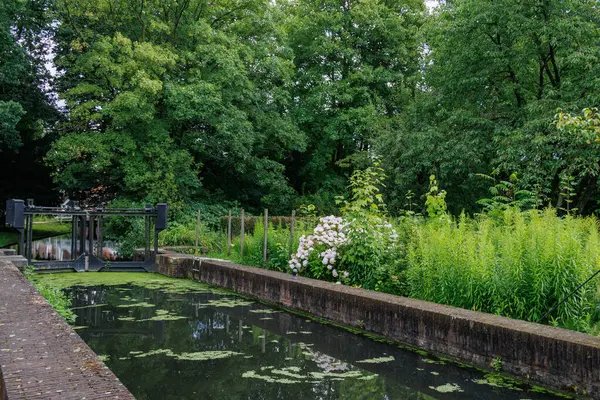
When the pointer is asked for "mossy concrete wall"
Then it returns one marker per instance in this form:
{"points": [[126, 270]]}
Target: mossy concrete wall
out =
{"points": [[552, 357]]}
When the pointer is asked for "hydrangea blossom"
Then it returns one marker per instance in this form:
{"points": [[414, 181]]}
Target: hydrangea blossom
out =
{"points": [[327, 236]]}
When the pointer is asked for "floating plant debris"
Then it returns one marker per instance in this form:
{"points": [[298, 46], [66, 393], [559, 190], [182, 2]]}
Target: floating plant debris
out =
{"points": [[206, 355], [254, 375], [140, 304], [447, 388], [293, 375], [90, 306], [195, 356], [264, 311], [227, 302], [377, 360]]}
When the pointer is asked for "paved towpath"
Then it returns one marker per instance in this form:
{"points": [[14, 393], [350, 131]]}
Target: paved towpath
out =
{"points": [[41, 357]]}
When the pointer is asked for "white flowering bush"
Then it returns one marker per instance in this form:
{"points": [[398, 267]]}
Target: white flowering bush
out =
{"points": [[357, 248], [319, 254]]}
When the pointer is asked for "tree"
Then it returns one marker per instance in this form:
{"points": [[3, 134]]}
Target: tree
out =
{"points": [[26, 109], [165, 96], [356, 63], [495, 73]]}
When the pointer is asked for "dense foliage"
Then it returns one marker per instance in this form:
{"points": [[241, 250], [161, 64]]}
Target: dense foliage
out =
{"points": [[470, 106], [276, 104]]}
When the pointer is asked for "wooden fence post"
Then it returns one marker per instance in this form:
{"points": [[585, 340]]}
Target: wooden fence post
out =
{"points": [[242, 234], [292, 231], [266, 224], [229, 234], [197, 228]]}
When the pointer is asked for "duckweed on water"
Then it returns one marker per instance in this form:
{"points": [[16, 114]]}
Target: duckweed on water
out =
{"points": [[227, 302], [103, 357], [167, 352], [163, 318], [294, 375], [196, 356], [207, 355], [161, 315], [254, 375], [377, 360], [140, 304], [447, 388], [90, 306], [430, 361], [499, 381], [139, 279], [264, 311]]}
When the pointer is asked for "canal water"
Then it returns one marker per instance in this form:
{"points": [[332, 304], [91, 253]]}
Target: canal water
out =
{"points": [[177, 339]]}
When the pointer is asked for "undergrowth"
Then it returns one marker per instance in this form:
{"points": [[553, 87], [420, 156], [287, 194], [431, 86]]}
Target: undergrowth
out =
{"points": [[56, 297]]}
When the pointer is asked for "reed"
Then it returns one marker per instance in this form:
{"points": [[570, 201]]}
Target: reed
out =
{"points": [[520, 266]]}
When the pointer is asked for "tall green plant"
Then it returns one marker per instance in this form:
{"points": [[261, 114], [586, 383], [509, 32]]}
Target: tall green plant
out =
{"points": [[370, 237], [519, 267]]}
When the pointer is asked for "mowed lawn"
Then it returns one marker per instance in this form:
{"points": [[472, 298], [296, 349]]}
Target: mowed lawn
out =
{"points": [[41, 230]]}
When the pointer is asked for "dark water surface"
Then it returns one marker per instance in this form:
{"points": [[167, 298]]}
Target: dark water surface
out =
{"points": [[198, 344]]}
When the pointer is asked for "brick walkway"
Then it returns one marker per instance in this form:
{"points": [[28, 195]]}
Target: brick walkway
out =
{"points": [[41, 357]]}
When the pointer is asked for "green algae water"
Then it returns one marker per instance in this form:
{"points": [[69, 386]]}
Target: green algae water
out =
{"points": [[178, 339]]}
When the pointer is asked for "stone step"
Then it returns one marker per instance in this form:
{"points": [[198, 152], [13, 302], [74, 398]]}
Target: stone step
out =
{"points": [[18, 261]]}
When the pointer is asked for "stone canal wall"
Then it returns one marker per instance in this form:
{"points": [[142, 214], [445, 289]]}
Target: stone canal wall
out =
{"points": [[552, 357], [41, 356]]}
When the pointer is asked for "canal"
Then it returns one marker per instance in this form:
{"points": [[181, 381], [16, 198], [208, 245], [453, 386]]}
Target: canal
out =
{"points": [[177, 339]]}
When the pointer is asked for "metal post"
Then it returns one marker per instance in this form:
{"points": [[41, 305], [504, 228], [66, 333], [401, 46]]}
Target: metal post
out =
{"points": [[82, 234], [21, 242], [229, 234], [242, 234], [266, 229], [90, 236], [26, 241], [100, 238], [73, 236], [197, 229], [147, 239], [30, 239], [292, 231], [155, 244]]}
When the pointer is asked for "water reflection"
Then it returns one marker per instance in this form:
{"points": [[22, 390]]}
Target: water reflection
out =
{"points": [[216, 346], [59, 248]]}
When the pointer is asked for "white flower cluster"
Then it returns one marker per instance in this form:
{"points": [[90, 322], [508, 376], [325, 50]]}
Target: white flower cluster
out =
{"points": [[328, 234]]}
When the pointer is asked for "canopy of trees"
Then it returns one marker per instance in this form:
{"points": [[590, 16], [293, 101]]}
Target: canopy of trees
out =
{"points": [[275, 103]]}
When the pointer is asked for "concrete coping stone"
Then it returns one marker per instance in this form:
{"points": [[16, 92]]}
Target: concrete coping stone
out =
{"points": [[8, 252]]}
